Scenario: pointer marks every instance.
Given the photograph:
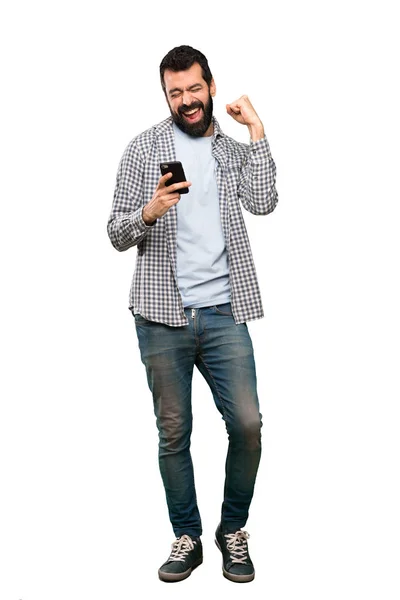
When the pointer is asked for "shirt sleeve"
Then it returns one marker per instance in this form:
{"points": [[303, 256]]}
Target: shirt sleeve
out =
{"points": [[257, 190], [125, 226]]}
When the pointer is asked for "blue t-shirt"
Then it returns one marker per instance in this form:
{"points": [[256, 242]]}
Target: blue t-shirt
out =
{"points": [[202, 260]]}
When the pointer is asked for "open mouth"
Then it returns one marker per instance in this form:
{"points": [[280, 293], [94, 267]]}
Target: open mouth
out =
{"points": [[192, 115]]}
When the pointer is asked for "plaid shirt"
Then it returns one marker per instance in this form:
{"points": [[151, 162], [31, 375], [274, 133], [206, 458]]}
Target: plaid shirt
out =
{"points": [[245, 173]]}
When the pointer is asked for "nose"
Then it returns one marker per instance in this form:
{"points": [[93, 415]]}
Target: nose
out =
{"points": [[187, 98]]}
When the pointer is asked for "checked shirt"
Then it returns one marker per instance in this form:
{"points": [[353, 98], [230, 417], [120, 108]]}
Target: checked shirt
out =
{"points": [[245, 175]]}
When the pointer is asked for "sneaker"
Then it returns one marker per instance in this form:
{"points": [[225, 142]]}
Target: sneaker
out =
{"points": [[236, 561], [186, 555]]}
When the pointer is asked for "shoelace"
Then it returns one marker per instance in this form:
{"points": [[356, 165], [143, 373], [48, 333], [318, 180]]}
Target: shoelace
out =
{"points": [[237, 546], [181, 547]]}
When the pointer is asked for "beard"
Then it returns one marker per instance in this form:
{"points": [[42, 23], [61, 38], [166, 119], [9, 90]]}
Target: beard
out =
{"points": [[199, 128]]}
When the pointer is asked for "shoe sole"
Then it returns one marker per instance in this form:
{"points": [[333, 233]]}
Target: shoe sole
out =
{"points": [[172, 577], [232, 576]]}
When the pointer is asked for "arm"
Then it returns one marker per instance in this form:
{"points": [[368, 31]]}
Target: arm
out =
{"points": [[257, 190], [126, 226], [131, 219]]}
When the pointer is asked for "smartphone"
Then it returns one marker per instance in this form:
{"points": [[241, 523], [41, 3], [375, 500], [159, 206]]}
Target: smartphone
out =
{"points": [[178, 174]]}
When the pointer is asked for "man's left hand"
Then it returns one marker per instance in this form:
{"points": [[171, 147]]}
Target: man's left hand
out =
{"points": [[243, 112]]}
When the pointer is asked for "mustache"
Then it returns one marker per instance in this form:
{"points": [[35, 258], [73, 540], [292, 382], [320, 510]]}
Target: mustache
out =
{"points": [[184, 107]]}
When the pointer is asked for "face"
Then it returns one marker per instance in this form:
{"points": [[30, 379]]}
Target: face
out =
{"points": [[190, 100]]}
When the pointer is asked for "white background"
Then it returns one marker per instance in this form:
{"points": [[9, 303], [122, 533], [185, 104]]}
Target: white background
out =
{"points": [[83, 514]]}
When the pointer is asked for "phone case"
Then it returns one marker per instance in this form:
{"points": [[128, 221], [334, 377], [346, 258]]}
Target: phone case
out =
{"points": [[178, 174]]}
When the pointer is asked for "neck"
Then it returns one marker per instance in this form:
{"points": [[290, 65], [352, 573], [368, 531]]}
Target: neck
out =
{"points": [[210, 130]]}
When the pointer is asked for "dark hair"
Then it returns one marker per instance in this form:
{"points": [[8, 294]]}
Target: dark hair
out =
{"points": [[182, 58]]}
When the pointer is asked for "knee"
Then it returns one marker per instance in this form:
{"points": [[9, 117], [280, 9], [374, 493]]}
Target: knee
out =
{"points": [[247, 432], [174, 435]]}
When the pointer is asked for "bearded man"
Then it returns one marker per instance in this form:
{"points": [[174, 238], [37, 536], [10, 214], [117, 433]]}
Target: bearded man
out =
{"points": [[194, 289]]}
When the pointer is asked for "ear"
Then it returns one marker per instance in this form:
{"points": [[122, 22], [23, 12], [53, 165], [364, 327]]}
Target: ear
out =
{"points": [[213, 87]]}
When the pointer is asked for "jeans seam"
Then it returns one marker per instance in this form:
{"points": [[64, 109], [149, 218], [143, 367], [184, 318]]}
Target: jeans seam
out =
{"points": [[216, 387]]}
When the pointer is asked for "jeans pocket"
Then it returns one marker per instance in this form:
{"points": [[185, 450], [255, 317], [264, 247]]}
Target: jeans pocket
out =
{"points": [[139, 320], [223, 309]]}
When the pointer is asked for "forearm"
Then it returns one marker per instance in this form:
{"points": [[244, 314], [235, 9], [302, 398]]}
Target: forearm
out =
{"points": [[126, 226], [127, 229], [256, 132], [257, 189]]}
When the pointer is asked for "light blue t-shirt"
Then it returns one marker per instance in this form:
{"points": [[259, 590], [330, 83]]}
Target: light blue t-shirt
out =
{"points": [[202, 260]]}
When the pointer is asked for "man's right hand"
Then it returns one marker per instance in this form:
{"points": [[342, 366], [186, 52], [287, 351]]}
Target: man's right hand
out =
{"points": [[164, 197]]}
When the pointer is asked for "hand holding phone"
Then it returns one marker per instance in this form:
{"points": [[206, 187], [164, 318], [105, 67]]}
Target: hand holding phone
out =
{"points": [[167, 193]]}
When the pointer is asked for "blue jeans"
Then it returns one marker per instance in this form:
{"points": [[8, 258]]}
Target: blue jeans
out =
{"points": [[223, 353]]}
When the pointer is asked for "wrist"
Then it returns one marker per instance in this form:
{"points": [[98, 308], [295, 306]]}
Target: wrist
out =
{"points": [[148, 219], [256, 131]]}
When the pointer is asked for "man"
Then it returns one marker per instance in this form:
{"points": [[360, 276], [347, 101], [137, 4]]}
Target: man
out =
{"points": [[193, 290]]}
